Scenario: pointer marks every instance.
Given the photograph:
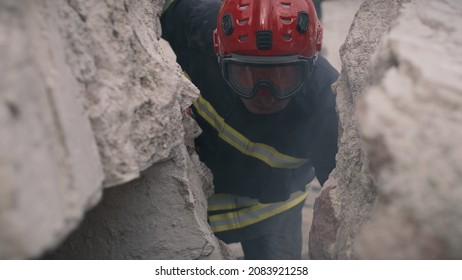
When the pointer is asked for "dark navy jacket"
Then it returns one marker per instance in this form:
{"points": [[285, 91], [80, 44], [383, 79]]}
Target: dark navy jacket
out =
{"points": [[307, 128]]}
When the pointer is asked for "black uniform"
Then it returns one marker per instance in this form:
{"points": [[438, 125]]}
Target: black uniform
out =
{"points": [[263, 157]]}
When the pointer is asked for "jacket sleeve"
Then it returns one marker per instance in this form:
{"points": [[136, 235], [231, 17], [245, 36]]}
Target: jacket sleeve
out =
{"points": [[188, 27], [324, 148]]}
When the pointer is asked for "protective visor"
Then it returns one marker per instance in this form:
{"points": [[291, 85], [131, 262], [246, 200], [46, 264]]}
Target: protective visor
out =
{"points": [[283, 75]]}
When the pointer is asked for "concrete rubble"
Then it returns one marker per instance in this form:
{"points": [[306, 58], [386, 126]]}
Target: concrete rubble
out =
{"points": [[89, 102], [395, 193]]}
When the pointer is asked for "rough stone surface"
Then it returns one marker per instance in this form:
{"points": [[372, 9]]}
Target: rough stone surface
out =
{"points": [[323, 228], [90, 101], [410, 120], [350, 188], [50, 169], [395, 188], [128, 87], [128, 225]]}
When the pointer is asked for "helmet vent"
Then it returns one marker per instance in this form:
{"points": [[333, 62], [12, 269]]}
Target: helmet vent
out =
{"points": [[243, 6], [286, 37], [286, 4], [227, 24], [243, 21], [303, 20], [286, 20], [264, 39]]}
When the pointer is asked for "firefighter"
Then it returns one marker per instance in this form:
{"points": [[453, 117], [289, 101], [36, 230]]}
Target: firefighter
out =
{"points": [[266, 110]]}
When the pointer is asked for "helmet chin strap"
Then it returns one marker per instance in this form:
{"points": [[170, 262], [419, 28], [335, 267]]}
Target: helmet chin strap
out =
{"points": [[315, 58]]}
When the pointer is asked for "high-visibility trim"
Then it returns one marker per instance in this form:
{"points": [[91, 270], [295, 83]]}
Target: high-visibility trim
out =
{"points": [[263, 152], [253, 214], [219, 202], [186, 75]]}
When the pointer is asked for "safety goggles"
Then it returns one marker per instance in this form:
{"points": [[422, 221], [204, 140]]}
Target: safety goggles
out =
{"points": [[283, 75]]}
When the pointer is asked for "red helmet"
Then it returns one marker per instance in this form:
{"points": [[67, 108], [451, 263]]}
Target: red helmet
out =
{"points": [[267, 34], [268, 27]]}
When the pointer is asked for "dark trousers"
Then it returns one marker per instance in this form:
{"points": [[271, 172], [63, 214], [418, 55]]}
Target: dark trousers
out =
{"points": [[281, 238]]}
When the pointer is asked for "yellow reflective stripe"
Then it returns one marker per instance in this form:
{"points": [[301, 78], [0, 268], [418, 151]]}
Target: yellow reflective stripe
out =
{"points": [[186, 75], [263, 152], [254, 214], [218, 202]]}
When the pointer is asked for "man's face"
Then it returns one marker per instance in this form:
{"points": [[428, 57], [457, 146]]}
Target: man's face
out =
{"points": [[264, 102], [265, 84]]}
